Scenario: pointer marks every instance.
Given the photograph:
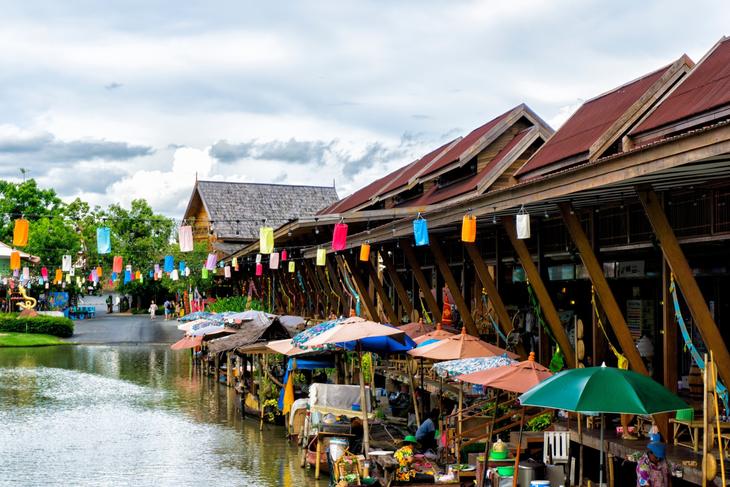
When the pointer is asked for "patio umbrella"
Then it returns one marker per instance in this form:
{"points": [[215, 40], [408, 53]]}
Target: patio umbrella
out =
{"points": [[452, 368], [416, 329], [194, 316], [603, 390], [187, 342], [513, 377], [438, 334], [285, 347], [460, 346], [356, 330], [301, 338], [193, 324]]}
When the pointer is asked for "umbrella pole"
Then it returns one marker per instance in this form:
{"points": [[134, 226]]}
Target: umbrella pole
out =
{"points": [[363, 407], [519, 448], [413, 391], [458, 425], [600, 471]]}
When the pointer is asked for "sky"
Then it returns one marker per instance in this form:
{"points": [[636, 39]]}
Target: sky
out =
{"points": [[112, 101]]}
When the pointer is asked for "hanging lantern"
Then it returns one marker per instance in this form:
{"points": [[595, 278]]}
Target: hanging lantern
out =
{"points": [[339, 237], [227, 272], [174, 275], [259, 269], [59, 276], [169, 263], [204, 273], [284, 255], [274, 260], [185, 238], [469, 229], [234, 263], [266, 240], [211, 262], [26, 273], [258, 258], [68, 278], [291, 266], [157, 268], [187, 271], [44, 272], [66, 263], [137, 275], [117, 264], [321, 256], [522, 222], [98, 271], [20, 232], [365, 252], [72, 271], [420, 231], [103, 240], [14, 260], [181, 266]]}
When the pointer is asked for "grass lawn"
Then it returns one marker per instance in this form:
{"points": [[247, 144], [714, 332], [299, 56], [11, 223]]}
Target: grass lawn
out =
{"points": [[28, 340]]}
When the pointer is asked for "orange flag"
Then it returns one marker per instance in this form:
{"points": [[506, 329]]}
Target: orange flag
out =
{"points": [[20, 233], [117, 264], [59, 276], [14, 260]]}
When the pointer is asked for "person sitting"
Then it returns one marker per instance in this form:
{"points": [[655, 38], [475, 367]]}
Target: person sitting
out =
{"points": [[426, 432], [404, 457], [400, 402], [652, 469]]}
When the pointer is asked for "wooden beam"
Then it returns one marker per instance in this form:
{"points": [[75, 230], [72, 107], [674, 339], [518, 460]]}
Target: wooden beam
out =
{"points": [[403, 297], [380, 291], [461, 305], [602, 289], [362, 288], [490, 287], [686, 281], [332, 271], [421, 280], [548, 308]]}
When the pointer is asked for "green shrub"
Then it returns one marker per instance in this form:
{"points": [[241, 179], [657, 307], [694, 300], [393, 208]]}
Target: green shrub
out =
{"points": [[540, 423], [47, 325], [234, 303]]}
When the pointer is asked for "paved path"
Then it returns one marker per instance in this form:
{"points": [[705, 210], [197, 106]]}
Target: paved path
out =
{"points": [[118, 328]]}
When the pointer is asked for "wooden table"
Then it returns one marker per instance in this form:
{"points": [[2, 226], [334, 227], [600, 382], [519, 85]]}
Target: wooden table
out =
{"points": [[318, 450], [692, 428]]}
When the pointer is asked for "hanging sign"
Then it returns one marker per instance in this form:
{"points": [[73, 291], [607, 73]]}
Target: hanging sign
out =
{"points": [[291, 266], [365, 252], [20, 233], [321, 257], [522, 222], [103, 240], [185, 238]]}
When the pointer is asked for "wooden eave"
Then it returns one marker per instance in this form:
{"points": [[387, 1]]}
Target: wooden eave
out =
{"points": [[536, 132], [661, 162]]}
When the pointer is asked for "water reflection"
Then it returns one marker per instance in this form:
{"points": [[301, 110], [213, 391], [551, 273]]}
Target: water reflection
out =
{"points": [[129, 415]]}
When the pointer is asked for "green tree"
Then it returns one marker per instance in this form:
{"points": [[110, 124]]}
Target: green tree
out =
{"points": [[51, 238]]}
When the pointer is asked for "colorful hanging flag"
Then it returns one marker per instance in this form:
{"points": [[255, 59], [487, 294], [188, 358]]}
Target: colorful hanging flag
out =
{"points": [[266, 240], [211, 262], [103, 240], [44, 272], [72, 271], [26, 273], [284, 255], [174, 275], [259, 269], [117, 264], [66, 263], [234, 263], [291, 266], [185, 238], [420, 231], [365, 252], [227, 272], [187, 271], [258, 258], [127, 276], [339, 237], [59, 276], [274, 260], [157, 268], [114, 276], [20, 232], [14, 260], [321, 256], [99, 272], [204, 273], [169, 263], [181, 266]]}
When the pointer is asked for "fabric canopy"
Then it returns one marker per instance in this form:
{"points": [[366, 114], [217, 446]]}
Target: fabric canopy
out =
{"points": [[187, 342]]}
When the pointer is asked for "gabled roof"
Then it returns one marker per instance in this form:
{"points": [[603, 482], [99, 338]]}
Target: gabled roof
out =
{"points": [[706, 88], [239, 209], [602, 119]]}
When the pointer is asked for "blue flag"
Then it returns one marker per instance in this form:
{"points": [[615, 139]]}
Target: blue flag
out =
{"points": [[181, 266], [127, 276], [169, 264], [103, 240]]}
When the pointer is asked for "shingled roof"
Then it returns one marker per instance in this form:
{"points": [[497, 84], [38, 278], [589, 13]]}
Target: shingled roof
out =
{"points": [[237, 210]]}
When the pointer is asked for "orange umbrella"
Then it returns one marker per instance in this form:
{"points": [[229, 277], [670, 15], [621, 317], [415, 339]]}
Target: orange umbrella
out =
{"points": [[416, 329], [519, 377], [187, 342], [438, 334], [459, 346]]}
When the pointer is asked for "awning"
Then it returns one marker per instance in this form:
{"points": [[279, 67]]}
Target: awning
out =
{"points": [[187, 342]]}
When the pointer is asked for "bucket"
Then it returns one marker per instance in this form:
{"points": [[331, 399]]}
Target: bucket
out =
{"points": [[338, 447]]}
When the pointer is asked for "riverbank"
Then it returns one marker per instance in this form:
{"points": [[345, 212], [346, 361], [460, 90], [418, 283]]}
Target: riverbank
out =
{"points": [[28, 340]]}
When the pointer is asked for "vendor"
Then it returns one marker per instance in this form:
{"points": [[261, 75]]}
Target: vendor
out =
{"points": [[426, 433], [652, 469]]}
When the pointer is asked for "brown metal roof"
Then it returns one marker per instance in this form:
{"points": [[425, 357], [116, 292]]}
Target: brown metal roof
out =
{"points": [[706, 87], [414, 168], [589, 122]]}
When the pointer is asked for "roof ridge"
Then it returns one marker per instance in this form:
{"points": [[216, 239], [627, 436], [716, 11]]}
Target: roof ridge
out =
{"points": [[266, 184], [635, 80]]}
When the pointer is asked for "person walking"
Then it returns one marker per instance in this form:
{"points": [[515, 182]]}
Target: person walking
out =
{"points": [[168, 308], [152, 310]]}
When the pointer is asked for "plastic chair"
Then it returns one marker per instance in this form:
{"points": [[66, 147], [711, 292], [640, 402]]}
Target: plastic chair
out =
{"points": [[556, 447]]}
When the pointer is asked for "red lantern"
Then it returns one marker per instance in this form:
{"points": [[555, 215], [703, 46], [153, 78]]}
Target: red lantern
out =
{"points": [[339, 237], [284, 255], [259, 269]]}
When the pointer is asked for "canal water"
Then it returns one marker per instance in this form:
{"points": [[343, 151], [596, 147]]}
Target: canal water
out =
{"points": [[130, 415]]}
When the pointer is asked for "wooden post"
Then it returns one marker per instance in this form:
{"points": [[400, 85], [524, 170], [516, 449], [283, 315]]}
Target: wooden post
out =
{"points": [[686, 281], [486, 278], [463, 308], [603, 290], [431, 303], [548, 308], [332, 270], [229, 369], [380, 291], [362, 288], [405, 301], [669, 339]]}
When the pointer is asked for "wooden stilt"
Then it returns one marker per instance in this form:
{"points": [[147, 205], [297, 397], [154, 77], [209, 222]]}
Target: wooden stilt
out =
{"points": [[395, 279], [461, 305], [423, 284], [380, 291]]}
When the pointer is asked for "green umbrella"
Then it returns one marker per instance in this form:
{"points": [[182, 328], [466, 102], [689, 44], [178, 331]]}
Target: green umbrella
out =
{"points": [[602, 389]]}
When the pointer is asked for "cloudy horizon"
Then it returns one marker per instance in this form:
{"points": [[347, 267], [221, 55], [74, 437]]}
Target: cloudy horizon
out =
{"points": [[115, 102]]}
